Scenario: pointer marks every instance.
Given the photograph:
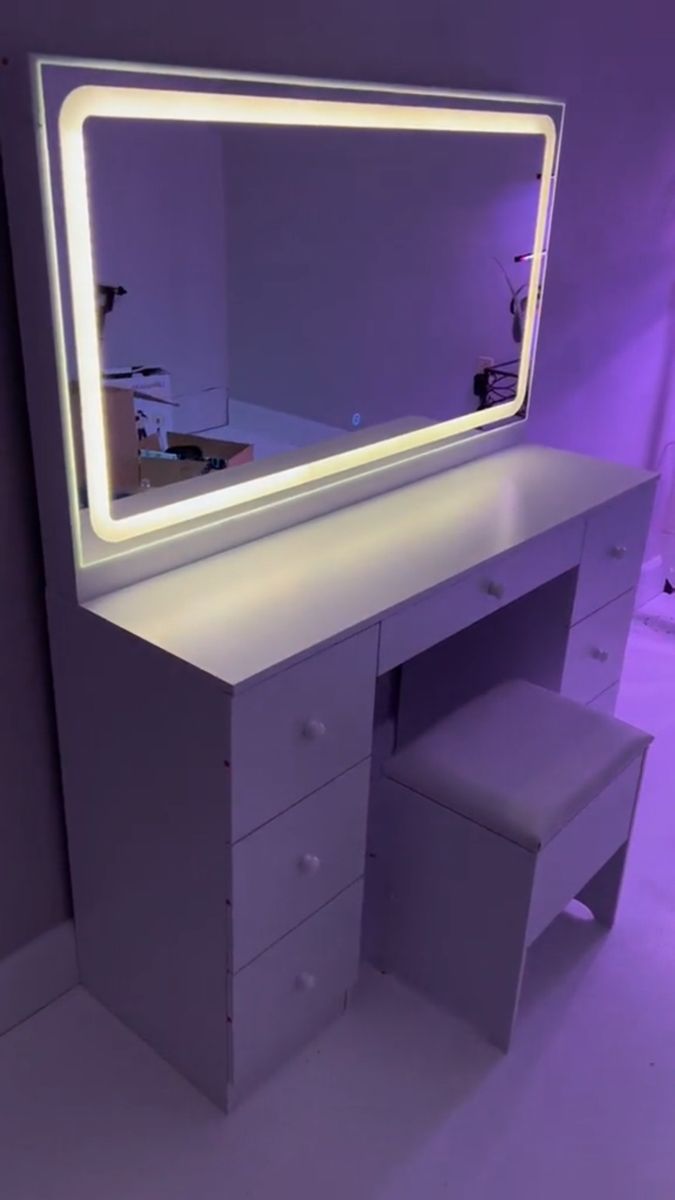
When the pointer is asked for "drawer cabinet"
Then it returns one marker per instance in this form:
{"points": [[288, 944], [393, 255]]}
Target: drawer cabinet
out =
{"points": [[489, 587], [612, 552], [298, 730], [296, 863], [290, 992], [595, 650]]}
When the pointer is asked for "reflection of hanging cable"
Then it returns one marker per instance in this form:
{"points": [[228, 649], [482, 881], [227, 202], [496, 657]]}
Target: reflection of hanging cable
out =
{"points": [[518, 303], [529, 257]]}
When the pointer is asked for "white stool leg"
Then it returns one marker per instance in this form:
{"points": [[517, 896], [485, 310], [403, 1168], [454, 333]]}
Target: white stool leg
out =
{"points": [[601, 893], [487, 992], [450, 903]]}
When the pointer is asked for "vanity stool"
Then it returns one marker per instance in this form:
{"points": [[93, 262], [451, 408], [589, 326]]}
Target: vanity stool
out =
{"points": [[483, 829]]}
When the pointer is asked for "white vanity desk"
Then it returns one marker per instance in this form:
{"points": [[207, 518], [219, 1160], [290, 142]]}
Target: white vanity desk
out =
{"points": [[217, 731], [221, 724]]}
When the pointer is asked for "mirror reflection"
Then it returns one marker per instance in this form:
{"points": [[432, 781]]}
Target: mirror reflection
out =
{"points": [[264, 290]]}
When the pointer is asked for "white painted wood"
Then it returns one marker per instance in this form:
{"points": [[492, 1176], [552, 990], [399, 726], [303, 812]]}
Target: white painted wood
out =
{"points": [[489, 587], [290, 992], [595, 650], [613, 550], [198, 707], [452, 907], [446, 907], [142, 739], [567, 862], [247, 612], [296, 863], [36, 974], [606, 701], [300, 729]]}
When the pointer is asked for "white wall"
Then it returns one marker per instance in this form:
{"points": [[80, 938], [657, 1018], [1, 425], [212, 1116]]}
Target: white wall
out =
{"points": [[157, 206], [361, 267]]}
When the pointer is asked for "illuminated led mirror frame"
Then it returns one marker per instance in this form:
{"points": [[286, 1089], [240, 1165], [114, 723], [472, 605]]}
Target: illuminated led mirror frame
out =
{"points": [[222, 108]]}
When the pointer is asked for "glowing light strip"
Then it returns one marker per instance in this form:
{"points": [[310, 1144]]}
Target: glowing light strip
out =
{"points": [[163, 105]]}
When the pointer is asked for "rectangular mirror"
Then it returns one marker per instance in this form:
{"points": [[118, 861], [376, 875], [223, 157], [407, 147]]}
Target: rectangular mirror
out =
{"points": [[265, 285]]}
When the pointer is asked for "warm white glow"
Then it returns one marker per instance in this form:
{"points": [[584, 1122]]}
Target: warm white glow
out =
{"points": [[175, 105]]}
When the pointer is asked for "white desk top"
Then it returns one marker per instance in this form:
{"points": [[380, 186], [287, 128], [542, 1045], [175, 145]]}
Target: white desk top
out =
{"points": [[243, 613]]}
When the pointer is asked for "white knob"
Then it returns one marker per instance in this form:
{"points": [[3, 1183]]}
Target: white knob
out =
{"points": [[309, 863], [314, 729], [619, 551], [600, 655], [305, 982], [495, 589]]}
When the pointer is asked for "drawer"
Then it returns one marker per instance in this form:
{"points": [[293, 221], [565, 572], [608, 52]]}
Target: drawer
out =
{"points": [[454, 606], [296, 863], [290, 992], [613, 548], [595, 650], [300, 729]]}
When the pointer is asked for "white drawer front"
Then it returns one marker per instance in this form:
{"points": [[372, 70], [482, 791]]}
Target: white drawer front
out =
{"points": [[296, 863], [454, 606], [284, 998], [613, 549], [595, 650], [300, 729]]}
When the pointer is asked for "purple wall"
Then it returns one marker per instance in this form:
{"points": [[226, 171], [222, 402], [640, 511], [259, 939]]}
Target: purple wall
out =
{"points": [[34, 892], [605, 374]]}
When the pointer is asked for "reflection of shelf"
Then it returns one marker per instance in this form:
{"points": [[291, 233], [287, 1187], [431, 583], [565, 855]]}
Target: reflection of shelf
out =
{"points": [[496, 384]]}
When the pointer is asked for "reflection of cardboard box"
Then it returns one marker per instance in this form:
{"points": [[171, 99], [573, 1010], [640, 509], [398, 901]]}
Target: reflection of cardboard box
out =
{"points": [[219, 453], [214, 455], [157, 472], [153, 406], [121, 440], [128, 471]]}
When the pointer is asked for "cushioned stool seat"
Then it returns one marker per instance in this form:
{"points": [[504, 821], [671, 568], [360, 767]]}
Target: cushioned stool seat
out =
{"points": [[519, 760], [483, 830]]}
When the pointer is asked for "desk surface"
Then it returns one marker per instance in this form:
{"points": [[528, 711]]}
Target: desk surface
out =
{"points": [[242, 614]]}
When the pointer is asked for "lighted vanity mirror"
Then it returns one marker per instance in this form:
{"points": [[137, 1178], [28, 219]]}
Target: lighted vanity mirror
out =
{"points": [[268, 284]]}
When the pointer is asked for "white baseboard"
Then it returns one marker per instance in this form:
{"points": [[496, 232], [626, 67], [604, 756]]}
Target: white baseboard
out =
{"points": [[36, 974], [652, 577]]}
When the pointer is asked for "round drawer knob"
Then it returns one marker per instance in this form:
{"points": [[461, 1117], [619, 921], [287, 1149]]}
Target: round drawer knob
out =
{"points": [[619, 551], [313, 729], [495, 589], [305, 982], [600, 655], [309, 864]]}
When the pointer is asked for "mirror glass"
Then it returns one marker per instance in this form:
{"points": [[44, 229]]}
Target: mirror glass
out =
{"points": [[268, 294]]}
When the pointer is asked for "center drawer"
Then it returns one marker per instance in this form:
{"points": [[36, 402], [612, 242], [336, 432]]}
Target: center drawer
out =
{"points": [[300, 729], [454, 606], [296, 863]]}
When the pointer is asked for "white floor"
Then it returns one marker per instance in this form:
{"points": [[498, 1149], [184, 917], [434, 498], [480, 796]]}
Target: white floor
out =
{"points": [[397, 1100]]}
